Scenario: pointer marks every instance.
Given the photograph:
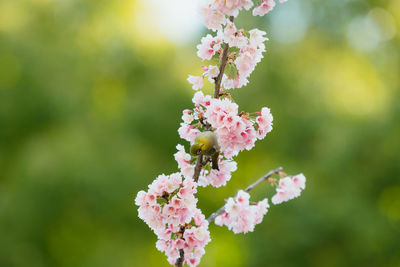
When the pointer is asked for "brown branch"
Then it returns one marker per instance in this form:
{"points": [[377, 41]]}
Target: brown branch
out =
{"points": [[224, 59], [248, 189], [198, 167], [179, 261]]}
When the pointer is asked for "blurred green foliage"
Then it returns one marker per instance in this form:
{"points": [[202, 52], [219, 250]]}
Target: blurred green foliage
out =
{"points": [[89, 109]]}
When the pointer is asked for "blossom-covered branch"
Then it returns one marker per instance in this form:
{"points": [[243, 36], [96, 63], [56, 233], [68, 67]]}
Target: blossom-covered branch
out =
{"points": [[241, 216], [248, 189], [199, 161], [217, 132]]}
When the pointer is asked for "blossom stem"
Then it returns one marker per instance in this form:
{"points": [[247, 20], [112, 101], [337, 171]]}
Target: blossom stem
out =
{"points": [[248, 189], [224, 59]]}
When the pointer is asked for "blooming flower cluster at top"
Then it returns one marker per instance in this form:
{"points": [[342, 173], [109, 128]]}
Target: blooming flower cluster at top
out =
{"points": [[245, 47], [217, 131], [245, 52], [214, 13], [169, 209]]}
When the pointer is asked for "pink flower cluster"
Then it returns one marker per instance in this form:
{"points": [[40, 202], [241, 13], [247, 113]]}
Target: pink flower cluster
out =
{"points": [[197, 82], [208, 47], [236, 132], [184, 161], [207, 176], [250, 45], [240, 216], [264, 7], [264, 123], [289, 188], [219, 177], [246, 51], [192, 241], [244, 61], [214, 13], [169, 209]]}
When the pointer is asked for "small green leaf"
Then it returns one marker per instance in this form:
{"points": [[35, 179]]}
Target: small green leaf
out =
{"points": [[207, 167], [161, 201], [231, 71], [233, 49], [215, 59]]}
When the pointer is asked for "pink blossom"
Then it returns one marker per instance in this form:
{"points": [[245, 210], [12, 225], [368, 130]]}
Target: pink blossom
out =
{"points": [[237, 82], [219, 177], [245, 60], [240, 215], [264, 122], [257, 38], [245, 63], [183, 160], [187, 116], [300, 181], [229, 31], [212, 18], [289, 188], [234, 37], [231, 7], [196, 81], [260, 210], [212, 73], [218, 109], [188, 132], [200, 99], [250, 53], [193, 241], [208, 47], [265, 7], [234, 133], [157, 215], [170, 206]]}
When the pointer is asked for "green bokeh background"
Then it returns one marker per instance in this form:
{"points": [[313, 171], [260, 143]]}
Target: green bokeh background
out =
{"points": [[89, 111]]}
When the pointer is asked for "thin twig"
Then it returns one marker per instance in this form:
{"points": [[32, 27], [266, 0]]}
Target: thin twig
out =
{"points": [[262, 179], [248, 189]]}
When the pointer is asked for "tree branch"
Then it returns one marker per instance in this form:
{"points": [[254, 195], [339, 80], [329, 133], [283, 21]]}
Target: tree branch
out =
{"points": [[262, 179], [179, 261], [198, 167], [248, 189], [224, 59]]}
